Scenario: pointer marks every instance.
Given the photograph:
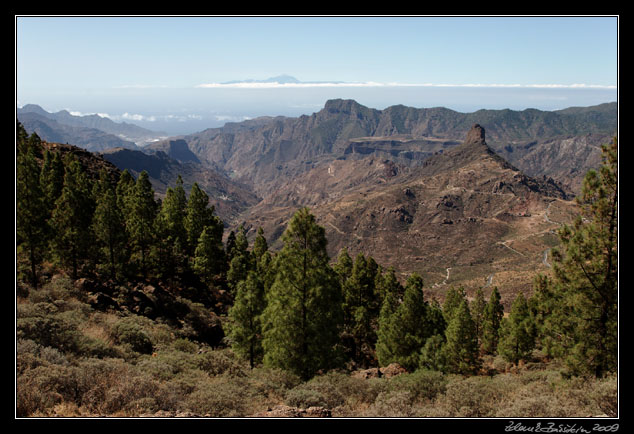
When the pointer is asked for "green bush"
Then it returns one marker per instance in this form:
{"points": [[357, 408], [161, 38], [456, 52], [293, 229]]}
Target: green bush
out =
{"points": [[475, 396], [48, 331], [331, 390], [421, 384], [220, 397], [392, 403], [221, 362], [127, 331]]}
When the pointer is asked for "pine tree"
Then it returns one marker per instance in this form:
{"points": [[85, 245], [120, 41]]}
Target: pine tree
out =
{"points": [[454, 297], [198, 216], [72, 218], [303, 317], [231, 245], [517, 332], [387, 283], [260, 246], [585, 275], [170, 229], [343, 266], [491, 320], [387, 331], [31, 209], [141, 211], [477, 307], [108, 224], [433, 354], [245, 326], [207, 257], [460, 352], [403, 330], [52, 178], [361, 309], [124, 189], [241, 262]]}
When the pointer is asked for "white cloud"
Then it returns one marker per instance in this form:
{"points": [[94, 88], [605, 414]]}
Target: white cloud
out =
{"points": [[276, 85], [137, 117], [230, 118]]}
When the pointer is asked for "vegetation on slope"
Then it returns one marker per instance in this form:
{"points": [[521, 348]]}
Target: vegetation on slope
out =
{"points": [[121, 311]]}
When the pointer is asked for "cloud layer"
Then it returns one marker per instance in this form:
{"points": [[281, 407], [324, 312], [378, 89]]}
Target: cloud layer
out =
{"points": [[276, 85]]}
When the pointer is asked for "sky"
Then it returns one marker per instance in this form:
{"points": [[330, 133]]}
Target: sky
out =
{"points": [[184, 74]]}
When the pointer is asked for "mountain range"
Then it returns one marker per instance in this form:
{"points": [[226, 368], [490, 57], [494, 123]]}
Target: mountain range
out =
{"points": [[93, 132], [421, 190]]}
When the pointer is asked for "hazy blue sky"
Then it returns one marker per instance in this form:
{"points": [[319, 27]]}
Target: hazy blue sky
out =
{"points": [[165, 71]]}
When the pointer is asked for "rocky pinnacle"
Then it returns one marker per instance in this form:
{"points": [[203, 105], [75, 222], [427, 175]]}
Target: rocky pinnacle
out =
{"points": [[475, 135]]}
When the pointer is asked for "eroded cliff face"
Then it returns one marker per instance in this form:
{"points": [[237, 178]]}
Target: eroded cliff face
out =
{"points": [[267, 152], [467, 210]]}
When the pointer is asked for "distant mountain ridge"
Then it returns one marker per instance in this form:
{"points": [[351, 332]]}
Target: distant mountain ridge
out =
{"points": [[125, 132], [91, 139], [266, 153]]}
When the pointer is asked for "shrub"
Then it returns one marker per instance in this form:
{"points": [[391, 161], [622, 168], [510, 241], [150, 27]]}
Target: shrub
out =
{"points": [[421, 384], [111, 385], [220, 397], [272, 382], [127, 331], [474, 396], [393, 403], [165, 364], [48, 331], [305, 397], [185, 345], [221, 361]]}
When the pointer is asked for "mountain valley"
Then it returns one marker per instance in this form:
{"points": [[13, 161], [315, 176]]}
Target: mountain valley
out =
{"points": [[418, 189]]}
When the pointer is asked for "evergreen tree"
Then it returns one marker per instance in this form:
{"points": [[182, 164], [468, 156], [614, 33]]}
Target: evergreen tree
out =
{"points": [[387, 332], [477, 308], [343, 266], [245, 327], [141, 208], [260, 246], [206, 263], [387, 283], [517, 332], [170, 229], [433, 355], [491, 320], [241, 262], [31, 209], [585, 275], [361, 309], [545, 305], [52, 178], [108, 224], [231, 245], [453, 299], [72, 218], [460, 352], [303, 317], [402, 333], [198, 216], [124, 189]]}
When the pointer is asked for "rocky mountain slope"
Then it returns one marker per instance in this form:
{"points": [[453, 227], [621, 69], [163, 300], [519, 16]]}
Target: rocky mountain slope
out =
{"points": [[404, 185], [464, 217], [267, 152], [228, 197]]}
